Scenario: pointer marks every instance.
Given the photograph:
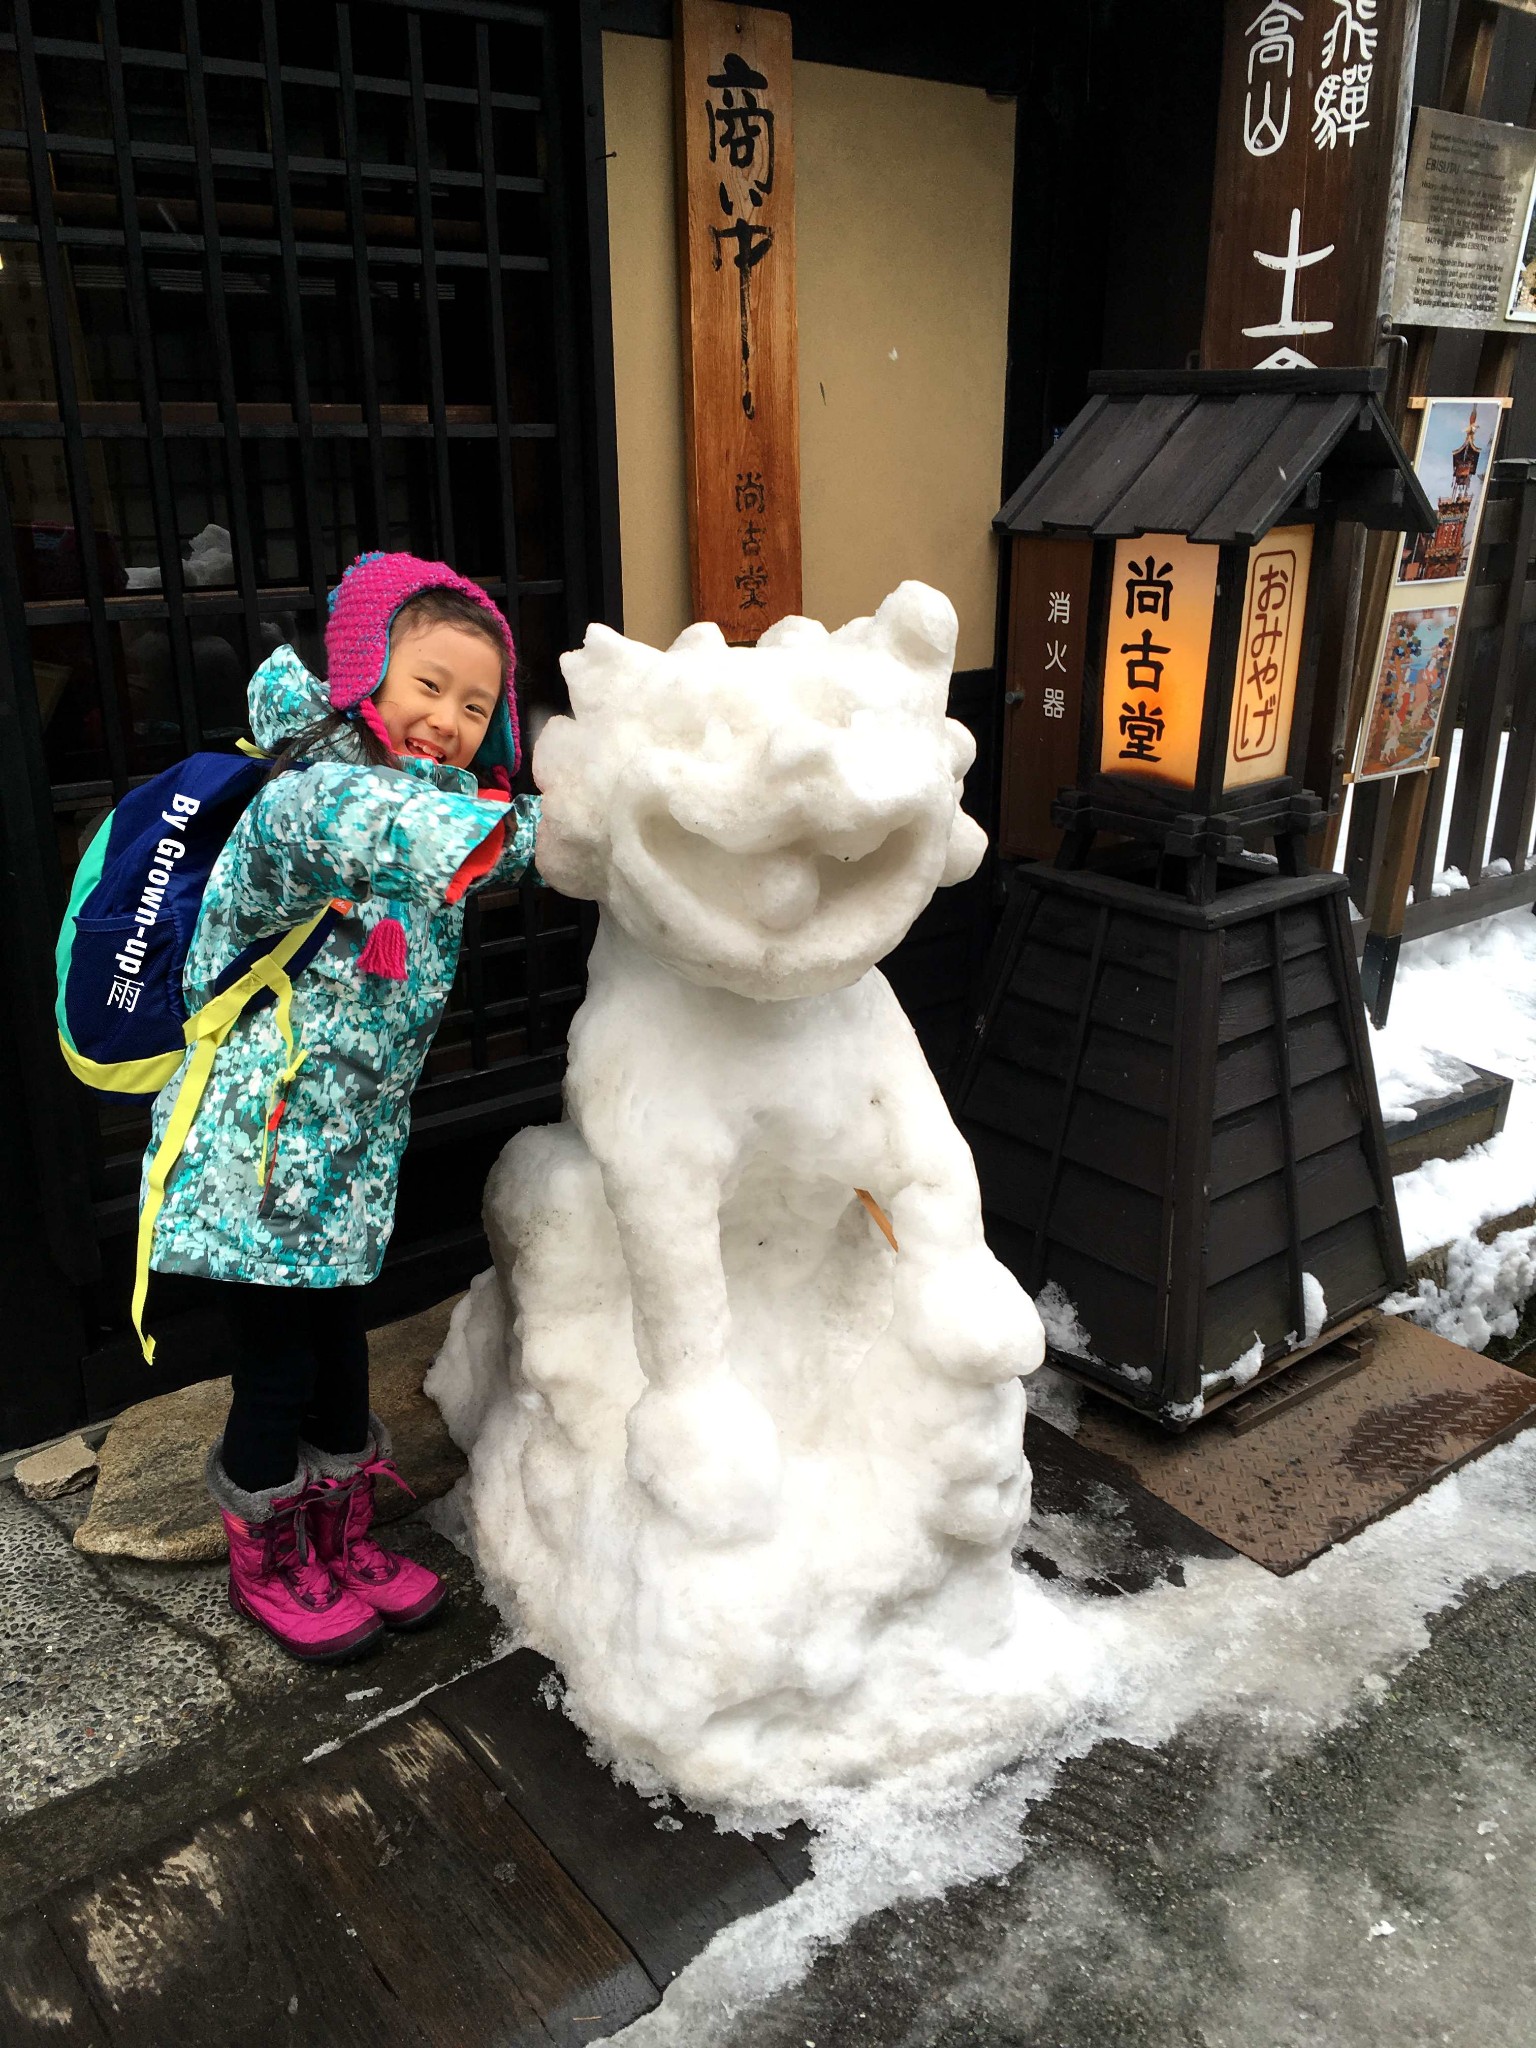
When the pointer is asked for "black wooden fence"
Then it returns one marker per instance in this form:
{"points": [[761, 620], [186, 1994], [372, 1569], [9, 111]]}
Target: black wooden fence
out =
{"points": [[1480, 814]]}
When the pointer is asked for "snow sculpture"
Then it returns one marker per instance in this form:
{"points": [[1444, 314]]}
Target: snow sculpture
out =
{"points": [[729, 1442]]}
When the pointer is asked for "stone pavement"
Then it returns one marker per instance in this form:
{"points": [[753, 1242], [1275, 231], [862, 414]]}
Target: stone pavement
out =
{"points": [[130, 1695], [123, 1686], [1371, 1892]]}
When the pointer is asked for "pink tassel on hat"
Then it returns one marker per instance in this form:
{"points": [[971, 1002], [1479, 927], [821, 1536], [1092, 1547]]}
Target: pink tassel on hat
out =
{"points": [[384, 954], [369, 713]]}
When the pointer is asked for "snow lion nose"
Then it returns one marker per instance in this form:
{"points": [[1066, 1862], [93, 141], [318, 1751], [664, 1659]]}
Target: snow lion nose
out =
{"points": [[780, 890]]}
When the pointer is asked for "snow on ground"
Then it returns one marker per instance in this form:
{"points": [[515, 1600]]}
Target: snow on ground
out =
{"points": [[1485, 1289], [1284, 1658], [1467, 994]]}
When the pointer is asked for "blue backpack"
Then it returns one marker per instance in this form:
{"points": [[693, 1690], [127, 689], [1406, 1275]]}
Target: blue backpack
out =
{"points": [[122, 1014]]}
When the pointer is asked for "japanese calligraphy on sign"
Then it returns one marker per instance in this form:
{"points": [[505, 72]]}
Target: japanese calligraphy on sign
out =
{"points": [[1309, 146], [1047, 634], [736, 171], [1162, 602], [1268, 657]]}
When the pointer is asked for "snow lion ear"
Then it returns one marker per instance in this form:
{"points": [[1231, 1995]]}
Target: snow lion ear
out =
{"points": [[573, 842], [702, 637], [795, 631], [917, 624], [597, 672], [967, 844]]}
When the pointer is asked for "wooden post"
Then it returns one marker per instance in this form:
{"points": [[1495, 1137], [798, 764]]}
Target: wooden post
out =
{"points": [[1389, 901], [736, 225]]}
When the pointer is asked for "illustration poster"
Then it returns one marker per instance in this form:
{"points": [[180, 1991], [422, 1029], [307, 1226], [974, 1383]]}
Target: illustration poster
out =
{"points": [[1409, 690]]}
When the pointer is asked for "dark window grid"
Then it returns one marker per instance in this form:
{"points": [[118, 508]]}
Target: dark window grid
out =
{"points": [[291, 74], [497, 317], [432, 333], [435, 429], [315, 560], [380, 525], [162, 505], [115, 736], [262, 160], [213, 254], [222, 602], [322, 429], [193, 244], [567, 343]]}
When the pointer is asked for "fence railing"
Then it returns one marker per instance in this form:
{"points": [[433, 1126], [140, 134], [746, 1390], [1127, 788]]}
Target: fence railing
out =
{"points": [[1474, 853]]}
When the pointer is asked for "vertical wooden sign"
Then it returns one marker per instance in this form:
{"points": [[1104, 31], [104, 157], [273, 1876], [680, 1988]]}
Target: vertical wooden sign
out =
{"points": [[736, 207], [1047, 639], [1310, 148]]}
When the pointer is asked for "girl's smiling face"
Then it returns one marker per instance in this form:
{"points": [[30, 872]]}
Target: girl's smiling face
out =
{"points": [[440, 692]]}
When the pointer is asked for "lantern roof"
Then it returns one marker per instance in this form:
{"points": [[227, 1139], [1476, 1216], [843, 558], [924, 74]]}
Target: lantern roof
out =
{"points": [[1221, 456]]}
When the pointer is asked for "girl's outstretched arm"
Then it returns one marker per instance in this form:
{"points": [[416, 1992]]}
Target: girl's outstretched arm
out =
{"points": [[335, 830], [505, 856]]}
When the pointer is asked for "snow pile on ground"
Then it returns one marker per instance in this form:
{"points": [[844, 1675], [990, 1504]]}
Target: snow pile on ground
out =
{"points": [[1287, 1658], [749, 1474], [1468, 994], [1486, 1286]]}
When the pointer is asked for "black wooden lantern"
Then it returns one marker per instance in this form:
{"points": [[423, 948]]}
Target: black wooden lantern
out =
{"points": [[1210, 500], [1169, 1089]]}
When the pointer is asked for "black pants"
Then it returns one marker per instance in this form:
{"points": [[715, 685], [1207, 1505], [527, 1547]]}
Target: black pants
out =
{"points": [[299, 1364]]}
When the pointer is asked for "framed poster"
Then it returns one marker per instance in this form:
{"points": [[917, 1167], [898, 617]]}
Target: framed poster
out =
{"points": [[1522, 292], [1452, 464], [1418, 635], [1409, 690]]}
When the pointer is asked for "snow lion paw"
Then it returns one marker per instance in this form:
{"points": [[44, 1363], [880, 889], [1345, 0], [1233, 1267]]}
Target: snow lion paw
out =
{"points": [[709, 1456]]}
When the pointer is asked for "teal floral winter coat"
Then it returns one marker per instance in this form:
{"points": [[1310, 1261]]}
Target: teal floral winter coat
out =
{"points": [[388, 842]]}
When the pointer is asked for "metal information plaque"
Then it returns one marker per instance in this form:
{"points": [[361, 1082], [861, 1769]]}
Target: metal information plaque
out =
{"points": [[1466, 210]]}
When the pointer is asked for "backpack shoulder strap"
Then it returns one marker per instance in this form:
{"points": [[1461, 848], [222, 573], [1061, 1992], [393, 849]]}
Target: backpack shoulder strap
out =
{"points": [[206, 1030]]}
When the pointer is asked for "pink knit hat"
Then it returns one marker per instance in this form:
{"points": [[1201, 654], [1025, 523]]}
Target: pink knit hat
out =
{"points": [[363, 607]]}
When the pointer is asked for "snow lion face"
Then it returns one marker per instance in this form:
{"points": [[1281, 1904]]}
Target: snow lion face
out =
{"points": [[768, 820]]}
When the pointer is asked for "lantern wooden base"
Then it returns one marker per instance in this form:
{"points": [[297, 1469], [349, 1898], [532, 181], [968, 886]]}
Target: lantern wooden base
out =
{"points": [[1174, 1117]]}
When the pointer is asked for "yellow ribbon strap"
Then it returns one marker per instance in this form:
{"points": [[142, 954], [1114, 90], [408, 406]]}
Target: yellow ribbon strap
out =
{"points": [[205, 1032]]}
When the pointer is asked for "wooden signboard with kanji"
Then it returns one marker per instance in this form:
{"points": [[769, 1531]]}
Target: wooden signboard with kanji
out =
{"points": [[1311, 139], [736, 202], [1047, 637]]}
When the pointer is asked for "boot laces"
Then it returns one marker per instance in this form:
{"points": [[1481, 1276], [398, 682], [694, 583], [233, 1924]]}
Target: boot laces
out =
{"points": [[353, 1500], [287, 1552]]}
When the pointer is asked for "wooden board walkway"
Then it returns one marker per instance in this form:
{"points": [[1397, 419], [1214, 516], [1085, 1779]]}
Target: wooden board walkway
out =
{"points": [[463, 1876]]}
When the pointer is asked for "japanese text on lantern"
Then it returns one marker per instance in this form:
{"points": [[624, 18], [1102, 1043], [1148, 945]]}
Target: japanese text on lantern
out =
{"points": [[1162, 601], [1269, 653]]}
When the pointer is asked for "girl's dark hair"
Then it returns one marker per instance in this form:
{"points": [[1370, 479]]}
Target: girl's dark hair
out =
{"points": [[434, 607]]}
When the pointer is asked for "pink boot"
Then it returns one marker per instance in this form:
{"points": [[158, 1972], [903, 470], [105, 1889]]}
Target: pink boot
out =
{"points": [[275, 1578], [339, 1502]]}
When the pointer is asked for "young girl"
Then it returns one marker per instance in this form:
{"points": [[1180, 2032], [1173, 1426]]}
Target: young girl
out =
{"points": [[283, 1196]]}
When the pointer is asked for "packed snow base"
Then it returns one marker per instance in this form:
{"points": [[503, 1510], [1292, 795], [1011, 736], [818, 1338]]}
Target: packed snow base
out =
{"points": [[749, 1472]]}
